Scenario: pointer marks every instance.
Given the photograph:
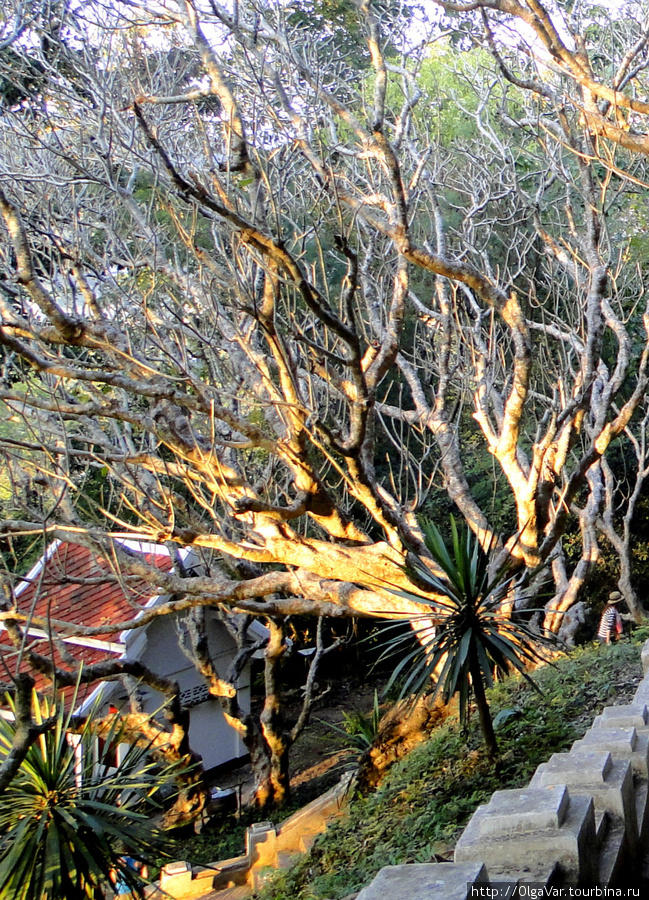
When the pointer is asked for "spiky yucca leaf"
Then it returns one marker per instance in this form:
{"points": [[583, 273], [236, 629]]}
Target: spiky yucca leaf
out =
{"points": [[68, 817], [465, 637]]}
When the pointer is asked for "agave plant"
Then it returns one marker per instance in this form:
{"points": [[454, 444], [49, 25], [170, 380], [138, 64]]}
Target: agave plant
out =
{"points": [[70, 816], [360, 730], [463, 637]]}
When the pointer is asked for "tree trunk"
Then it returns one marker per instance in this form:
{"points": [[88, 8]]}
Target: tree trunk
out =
{"points": [[621, 543], [484, 713], [192, 790], [270, 770], [271, 742], [569, 594], [168, 747], [189, 804]]}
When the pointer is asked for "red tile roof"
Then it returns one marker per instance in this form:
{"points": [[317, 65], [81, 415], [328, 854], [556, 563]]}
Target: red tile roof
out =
{"points": [[10, 663], [77, 587], [73, 585]]}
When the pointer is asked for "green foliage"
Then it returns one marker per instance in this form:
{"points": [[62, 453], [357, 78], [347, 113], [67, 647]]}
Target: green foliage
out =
{"points": [[360, 730], [340, 20], [444, 79], [223, 841], [419, 810], [488, 485], [363, 729], [67, 817]]}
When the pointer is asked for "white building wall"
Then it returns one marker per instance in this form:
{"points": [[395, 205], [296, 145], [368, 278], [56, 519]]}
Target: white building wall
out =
{"points": [[209, 734]]}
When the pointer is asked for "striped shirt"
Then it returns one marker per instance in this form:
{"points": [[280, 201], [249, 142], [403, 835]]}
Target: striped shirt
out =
{"points": [[609, 624]]}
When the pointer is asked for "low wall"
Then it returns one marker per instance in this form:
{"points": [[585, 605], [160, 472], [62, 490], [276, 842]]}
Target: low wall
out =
{"points": [[268, 848], [582, 820]]}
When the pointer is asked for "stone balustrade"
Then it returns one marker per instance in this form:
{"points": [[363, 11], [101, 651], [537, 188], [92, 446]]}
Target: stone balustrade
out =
{"points": [[583, 820]]}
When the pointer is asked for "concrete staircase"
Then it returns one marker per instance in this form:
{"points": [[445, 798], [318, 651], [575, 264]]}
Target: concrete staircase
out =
{"points": [[583, 820]]}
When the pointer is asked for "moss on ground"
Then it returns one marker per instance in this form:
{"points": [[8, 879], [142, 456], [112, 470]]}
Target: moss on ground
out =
{"points": [[419, 810]]}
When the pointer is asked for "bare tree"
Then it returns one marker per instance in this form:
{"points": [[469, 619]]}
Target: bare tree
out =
{"points": [[268, 736], [583, 72], [256, 301]]}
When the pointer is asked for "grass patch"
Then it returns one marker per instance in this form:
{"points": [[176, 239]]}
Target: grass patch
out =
{"points": [[223, 841], [419, 810]]}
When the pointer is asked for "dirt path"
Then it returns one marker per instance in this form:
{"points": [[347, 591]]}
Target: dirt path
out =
{"points": [[321, 753]]}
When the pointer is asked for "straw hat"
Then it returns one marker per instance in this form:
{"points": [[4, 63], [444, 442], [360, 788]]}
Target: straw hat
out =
{"points": [[614, 597]]}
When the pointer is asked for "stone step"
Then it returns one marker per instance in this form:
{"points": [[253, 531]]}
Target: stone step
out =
{"points": [[613, 856], [231, 872], [622, 743], [642, 693], [602, 824], [547, 876], [642, 810], [537, 826], [434, 881], [594, 774], [630, 716], [182, 882]]}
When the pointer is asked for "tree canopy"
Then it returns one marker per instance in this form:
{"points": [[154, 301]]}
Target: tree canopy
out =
{"points": [[276, 292]]}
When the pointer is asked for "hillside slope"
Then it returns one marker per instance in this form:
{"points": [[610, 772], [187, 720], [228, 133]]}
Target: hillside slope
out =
{"points": [[419, 810]]}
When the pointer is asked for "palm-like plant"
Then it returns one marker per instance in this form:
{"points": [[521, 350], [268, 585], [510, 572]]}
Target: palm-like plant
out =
{"points": [[70, 815], [464, 637]]}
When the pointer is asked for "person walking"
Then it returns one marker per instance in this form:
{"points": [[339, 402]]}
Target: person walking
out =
{"points": [[610, 624]]}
